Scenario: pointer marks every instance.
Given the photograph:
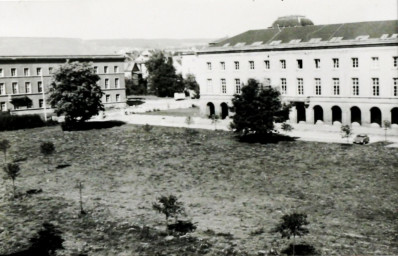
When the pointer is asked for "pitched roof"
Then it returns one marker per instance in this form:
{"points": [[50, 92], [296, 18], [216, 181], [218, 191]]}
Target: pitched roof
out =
{"points": [[347, 31]]}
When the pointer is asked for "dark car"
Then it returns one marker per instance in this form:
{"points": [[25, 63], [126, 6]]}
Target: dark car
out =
{"points": [[361, 139]]}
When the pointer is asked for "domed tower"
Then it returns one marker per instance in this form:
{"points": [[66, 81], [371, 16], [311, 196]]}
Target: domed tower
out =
{"points": [[292, 21]]}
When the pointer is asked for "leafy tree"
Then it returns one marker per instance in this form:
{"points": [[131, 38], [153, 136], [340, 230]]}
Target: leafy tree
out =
{"points": [[346, 132], [47, 149], [75, 93], [256, 110], [4, 146], [191, 84], [169, 206], [163, 80], [387, 125], [136, 86], [292, 225], [12, 171]]}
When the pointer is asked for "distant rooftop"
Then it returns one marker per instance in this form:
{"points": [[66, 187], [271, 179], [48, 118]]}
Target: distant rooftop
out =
{"points": [[292, 31]]}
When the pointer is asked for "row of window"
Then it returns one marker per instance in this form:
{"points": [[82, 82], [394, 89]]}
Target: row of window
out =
{"points": [[300, 63], [300, 86], [28, 87], [3, 105], [39, 72]]}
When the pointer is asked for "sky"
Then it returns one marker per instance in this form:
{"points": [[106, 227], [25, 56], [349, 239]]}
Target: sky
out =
{"points": [[110, 19]]}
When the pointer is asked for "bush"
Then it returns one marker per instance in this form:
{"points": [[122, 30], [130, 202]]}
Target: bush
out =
{"points": [[10, 122], [182, 227]]}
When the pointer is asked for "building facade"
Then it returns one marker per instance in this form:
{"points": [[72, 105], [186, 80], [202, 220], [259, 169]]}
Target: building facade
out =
{"points": [[29, 77], [333, 74]]}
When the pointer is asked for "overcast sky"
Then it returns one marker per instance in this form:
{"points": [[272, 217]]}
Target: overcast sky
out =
{"points": [[97, 19]]}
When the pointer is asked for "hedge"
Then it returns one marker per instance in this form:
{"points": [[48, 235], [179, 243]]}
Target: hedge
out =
{"points": [[10, 122]]}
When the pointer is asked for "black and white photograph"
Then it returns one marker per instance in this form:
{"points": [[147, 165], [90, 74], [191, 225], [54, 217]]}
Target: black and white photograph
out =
{"points": [[198, 127]]}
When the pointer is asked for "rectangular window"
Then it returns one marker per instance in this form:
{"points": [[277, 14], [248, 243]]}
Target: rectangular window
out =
{"points": [[267, 82], [336, 63], [267, 64], [376, 88], [283, 64], [107, 98], [96, 70], [2, 89], [106, 83], [41, 105], [50, 70], [300, 86], [105, 69], [395, 62], [117, 85], [3, 106], [116, 69], [236, 65], [26, 72], [336, 86], [238, 88], [300, 64], [13, 72], [222, 65], [355, 86], [251, 64], [117, 97], [209, 85], [1, 72], [38, 71], [223, 86], [375, 62], [39, 86], [15, 88], [284, 85], [209, 65], [317, 63], [395, 92], [318, 86], [28, 87], [355, 63]]}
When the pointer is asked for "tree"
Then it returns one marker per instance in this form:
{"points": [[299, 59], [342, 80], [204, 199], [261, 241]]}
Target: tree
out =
{"points": [[163, 80], [191, 84], [12, 171], [387, 125], [47, 149], [292, 225], [4, 146], [169, 206], [256, 110], [75, 93], [136, 85], [214, 120], [346, 132]]}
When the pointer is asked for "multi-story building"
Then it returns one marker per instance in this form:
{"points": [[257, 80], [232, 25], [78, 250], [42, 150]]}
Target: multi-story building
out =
{"points": [[30, 76], [338, 73]]}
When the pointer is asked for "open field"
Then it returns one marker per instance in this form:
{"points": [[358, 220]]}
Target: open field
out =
{"points": [[235, 192]]}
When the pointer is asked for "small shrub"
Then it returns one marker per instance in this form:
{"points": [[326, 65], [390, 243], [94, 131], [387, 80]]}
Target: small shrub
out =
{"points": [[182, 227], [47, 149], [169, 206], [346, 132], [4, 146], [300, 249], [147, 128], [12, 171], [286, 127], [10, 122]]}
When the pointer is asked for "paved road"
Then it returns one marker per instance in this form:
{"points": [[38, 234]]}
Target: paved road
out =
{"points": [[305, 132]]}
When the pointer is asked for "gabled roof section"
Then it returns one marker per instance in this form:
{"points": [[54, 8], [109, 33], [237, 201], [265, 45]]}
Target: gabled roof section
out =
{"points": [[348, 31]]}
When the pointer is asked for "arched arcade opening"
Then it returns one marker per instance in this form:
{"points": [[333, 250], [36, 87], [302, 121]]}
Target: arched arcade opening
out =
{"points": [[300, 112], [375, 115], [318, 114], [210, 109], [394, 116], [356, 115], [224, 110], [336, 114]]}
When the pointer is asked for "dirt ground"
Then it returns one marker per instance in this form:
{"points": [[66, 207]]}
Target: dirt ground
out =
{"points": [[235, 192]]}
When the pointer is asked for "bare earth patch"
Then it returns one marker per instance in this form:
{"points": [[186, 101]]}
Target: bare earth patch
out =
{"points": [[235, 192]]}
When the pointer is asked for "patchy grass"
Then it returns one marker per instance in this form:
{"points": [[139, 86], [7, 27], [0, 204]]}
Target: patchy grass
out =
{"points": [[234, 192]]}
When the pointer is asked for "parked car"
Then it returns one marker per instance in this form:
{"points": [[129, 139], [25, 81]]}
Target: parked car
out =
{"points": [[361, 139]]}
